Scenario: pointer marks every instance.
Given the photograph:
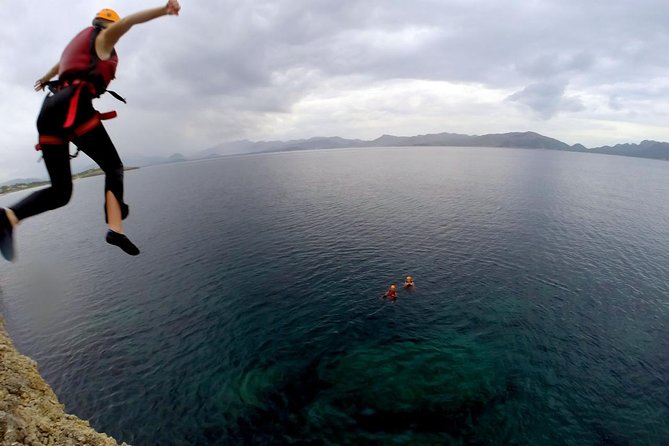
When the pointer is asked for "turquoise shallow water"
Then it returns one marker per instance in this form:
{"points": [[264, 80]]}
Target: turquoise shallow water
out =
{"points": [[253, 314]]}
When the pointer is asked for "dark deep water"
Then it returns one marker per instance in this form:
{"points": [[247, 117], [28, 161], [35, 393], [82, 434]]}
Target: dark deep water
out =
{"points": [[253, 314]]}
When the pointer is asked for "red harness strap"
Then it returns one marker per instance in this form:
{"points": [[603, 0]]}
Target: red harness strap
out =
{"points": [[93, 122], [82, 129], [51, 140], [74, 101]]}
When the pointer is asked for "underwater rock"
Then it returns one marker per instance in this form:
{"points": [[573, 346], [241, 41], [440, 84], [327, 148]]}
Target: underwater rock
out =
{"points": [[404, 393]]}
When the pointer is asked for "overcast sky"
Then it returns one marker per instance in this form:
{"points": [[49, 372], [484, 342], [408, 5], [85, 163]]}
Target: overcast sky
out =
{"points": [[593, 72]]}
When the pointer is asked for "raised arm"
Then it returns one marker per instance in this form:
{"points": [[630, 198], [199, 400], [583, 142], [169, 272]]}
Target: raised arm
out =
{"points": [[42, 81], [108, 37]]}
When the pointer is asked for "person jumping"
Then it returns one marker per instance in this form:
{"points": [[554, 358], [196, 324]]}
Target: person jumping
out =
{"points": [[86, 67]]}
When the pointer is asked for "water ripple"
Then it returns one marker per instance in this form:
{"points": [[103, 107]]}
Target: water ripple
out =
{"points": [[540, 314]]}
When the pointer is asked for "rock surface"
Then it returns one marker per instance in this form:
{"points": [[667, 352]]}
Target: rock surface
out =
{"points": [[30, 413]]}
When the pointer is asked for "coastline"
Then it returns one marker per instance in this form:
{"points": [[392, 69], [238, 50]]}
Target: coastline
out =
{"points": [[85, 174], [30, 413]]}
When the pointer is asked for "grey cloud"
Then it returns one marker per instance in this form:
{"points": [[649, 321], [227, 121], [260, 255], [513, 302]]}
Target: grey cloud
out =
{"points": [[499, 45], [547, 65], [546, 98], [230, 48], [231, 65]]}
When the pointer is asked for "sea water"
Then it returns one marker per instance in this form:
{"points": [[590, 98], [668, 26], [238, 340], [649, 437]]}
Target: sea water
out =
{"points": [[254, 314]]}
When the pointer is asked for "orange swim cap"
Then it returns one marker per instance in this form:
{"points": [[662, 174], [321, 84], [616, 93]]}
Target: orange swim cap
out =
{"points": [[392, 287], [108, 14]]}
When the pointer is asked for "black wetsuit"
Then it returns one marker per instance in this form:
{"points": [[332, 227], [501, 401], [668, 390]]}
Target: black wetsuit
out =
{"points": [[95, 143]]}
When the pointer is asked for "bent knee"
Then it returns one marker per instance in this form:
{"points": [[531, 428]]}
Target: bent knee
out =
{"points": [[61, 194]]}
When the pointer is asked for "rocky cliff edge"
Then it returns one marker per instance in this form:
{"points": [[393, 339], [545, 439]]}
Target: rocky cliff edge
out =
{"points": [[30, 413]]}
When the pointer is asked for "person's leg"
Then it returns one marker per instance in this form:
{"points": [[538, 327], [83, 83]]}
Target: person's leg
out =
{"points": [[57, 160], [113, 209], [11, 216], [6, 235], [99, 147]]}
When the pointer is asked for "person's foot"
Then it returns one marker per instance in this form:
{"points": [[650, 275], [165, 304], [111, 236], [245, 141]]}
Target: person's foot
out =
{"points": [[123, 242], [6, 236]]}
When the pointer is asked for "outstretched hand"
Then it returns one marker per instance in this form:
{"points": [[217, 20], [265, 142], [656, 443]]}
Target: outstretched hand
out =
{"points": [[40, 84], [173, 7]]}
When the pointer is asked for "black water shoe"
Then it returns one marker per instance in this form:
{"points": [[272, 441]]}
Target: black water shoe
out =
{"points": [[123, 242], [6, 236]]}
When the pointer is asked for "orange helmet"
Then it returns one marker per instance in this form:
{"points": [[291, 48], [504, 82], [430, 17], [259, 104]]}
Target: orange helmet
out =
{"points": [[108, 14]]}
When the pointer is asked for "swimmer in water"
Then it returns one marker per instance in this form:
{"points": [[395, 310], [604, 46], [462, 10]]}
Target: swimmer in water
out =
{"points": [[391, 293], [408, 283]]}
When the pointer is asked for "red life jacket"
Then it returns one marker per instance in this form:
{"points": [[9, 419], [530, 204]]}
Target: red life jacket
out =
{"points": [[80, 61], [81, 67], [391, 293]]}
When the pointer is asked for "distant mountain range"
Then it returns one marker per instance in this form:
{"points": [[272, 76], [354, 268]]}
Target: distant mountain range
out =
{"points": [[522, 140]]}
